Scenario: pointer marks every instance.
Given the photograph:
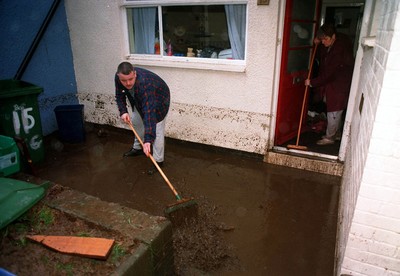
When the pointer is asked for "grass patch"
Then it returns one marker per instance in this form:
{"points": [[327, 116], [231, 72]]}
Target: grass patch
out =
{"points": [[66, 268], [42, 218], [83, 234], [117, 253], [45, 259], [36, 219]]}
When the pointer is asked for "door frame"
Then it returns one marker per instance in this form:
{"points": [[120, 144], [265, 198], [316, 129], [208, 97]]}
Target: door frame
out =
{"points": [[351, 102]]}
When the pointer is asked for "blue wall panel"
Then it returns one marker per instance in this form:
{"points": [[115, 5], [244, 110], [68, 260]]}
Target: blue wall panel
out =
{"points": [[51, 66]]}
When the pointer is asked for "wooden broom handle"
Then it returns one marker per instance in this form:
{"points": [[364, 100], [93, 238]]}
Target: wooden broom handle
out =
{"points": [[155, 164], [305, 94], [312, 61]]}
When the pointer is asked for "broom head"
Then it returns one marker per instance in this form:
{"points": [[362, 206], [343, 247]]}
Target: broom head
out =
{"points": [[297, 147], [182, 210]]}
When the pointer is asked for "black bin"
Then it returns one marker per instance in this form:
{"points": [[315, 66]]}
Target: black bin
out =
{"points": [[70, 121]]}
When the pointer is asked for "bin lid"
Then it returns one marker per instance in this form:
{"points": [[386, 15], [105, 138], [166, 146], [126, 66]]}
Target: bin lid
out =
{"points": [[12, 88], [17, 197]]}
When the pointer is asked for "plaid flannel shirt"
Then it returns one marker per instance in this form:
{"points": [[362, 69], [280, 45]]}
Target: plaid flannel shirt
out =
{"points": [[151, 97]]}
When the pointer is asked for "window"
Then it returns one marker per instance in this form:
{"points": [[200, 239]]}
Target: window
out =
{"points": [[191, 31]]}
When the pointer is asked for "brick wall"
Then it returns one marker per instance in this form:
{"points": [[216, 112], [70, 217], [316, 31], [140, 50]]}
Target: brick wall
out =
{"points": [[372, 170]]}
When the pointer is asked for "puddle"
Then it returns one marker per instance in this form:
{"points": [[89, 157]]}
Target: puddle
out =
{"points": [[278, 221]]}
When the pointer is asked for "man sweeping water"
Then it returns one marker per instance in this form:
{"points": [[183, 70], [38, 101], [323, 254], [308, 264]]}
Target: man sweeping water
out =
{"points": [[149, 98]]}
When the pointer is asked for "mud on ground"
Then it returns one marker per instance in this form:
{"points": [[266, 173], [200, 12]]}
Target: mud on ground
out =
{"points": [[198, 243], [20, 256]]}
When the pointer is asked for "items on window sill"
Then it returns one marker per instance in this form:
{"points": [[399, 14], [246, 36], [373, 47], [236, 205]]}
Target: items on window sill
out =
{"points": [[225, 54], [199, 51], [209, 52], [169, 48], [157, 48], [190, 52]]}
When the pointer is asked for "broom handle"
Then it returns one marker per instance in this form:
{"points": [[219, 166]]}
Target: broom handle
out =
{"points": [[155, 164], [305, 95]]}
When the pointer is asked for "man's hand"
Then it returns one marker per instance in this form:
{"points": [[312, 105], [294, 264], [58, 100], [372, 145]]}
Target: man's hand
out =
{"points": [[307, 82], [125, 118], [317, 41], [147, 149]]}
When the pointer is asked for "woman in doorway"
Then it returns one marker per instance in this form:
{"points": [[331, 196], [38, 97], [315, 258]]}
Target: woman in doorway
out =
{"points": [[336, 64]]}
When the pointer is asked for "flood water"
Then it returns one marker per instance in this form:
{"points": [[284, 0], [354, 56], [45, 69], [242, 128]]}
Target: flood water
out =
{"points": [[283, 219]]}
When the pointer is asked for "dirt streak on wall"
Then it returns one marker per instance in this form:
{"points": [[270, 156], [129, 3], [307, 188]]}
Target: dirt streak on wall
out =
{"points": [[239, 130]]}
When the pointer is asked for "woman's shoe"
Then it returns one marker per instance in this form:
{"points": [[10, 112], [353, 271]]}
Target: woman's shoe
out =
{"points": [[325, 141]]}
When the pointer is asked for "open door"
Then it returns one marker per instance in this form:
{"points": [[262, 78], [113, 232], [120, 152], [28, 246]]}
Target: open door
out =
{"points": [[301, 18]]}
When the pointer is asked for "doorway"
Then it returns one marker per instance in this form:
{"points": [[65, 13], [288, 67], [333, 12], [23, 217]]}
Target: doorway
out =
{"points": [[301, 21]]}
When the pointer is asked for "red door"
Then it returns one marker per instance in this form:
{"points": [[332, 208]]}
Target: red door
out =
{"points": [[299, 27]]}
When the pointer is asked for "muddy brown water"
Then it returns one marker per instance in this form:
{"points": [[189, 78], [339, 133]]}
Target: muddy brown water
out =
{"points": [[277, 220]]}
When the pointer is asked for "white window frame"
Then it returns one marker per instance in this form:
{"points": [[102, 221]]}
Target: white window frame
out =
{"points": [[180, 62]]}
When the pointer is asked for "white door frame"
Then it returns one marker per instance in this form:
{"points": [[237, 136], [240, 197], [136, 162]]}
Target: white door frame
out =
{"points": [[351, 101]]}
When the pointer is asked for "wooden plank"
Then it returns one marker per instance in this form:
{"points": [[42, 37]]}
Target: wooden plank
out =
{"points": [[97, 248]]}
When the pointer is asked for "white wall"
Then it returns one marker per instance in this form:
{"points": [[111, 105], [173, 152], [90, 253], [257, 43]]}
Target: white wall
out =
{"points": [[220, 108], [371, 181]]}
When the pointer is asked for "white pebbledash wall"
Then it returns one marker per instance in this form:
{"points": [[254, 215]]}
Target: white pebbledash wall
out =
{"points": [[219, 108], [371, 181]]}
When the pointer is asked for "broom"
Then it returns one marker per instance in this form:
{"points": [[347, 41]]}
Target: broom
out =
{"points": [[183, 208], [302, 108]]}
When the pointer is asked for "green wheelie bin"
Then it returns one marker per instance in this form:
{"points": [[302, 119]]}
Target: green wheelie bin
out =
{"points": [[20, 116]]}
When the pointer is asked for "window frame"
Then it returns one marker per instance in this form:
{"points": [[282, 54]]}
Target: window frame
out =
{"points": [[175, 61]]}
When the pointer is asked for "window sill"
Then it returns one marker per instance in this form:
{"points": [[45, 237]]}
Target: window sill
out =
{"points": [[189, 62]]}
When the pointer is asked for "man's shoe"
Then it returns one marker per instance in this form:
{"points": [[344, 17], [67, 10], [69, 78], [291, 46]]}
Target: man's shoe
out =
{"points": [[325, 141], [153, 169], [133, 152]]}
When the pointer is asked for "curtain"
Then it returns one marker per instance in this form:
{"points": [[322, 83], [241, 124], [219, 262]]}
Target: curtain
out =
{"points": [[236, 19], [144, 22]]}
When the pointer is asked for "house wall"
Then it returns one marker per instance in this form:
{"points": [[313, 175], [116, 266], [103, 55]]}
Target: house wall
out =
{"points": [[231, 109], [215, 107], [51, 64], [369, 219]]}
